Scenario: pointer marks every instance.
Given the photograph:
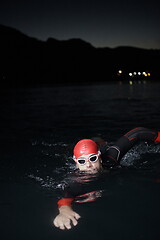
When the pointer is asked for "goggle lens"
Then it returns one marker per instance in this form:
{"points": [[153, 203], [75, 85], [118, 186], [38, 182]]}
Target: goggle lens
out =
{"points": [[81, 161], [93, 158]]}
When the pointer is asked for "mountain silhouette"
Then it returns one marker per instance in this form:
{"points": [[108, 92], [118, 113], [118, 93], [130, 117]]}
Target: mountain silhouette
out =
{"points": [[29, 61]]}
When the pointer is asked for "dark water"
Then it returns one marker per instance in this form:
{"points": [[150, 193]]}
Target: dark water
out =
{"points": [[38, 129]]}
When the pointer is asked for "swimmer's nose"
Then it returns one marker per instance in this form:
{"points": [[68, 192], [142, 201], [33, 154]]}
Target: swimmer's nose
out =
{"points": [[88, 163]]}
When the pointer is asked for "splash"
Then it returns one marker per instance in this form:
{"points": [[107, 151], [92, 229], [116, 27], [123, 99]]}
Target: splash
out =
{"points": [[51, 164], [135, 154], [51, 177]]}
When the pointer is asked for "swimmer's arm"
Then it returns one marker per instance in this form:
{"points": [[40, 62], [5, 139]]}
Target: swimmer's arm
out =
{"points": [[66, 218], [142, 134], [127, 141]]}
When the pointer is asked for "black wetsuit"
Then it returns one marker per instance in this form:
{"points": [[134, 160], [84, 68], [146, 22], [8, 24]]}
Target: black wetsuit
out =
{"points": [[115, 152], [111, 155]]}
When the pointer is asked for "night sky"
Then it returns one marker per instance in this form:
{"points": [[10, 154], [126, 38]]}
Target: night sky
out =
{"points": [[99, 22]]}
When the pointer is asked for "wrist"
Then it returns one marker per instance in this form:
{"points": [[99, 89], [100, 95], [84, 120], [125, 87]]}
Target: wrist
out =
{"points": [[64, 208], [65, 202], [158, 137]]}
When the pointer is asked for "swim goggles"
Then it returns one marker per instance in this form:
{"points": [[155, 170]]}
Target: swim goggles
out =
{"points": [[92, 158]]}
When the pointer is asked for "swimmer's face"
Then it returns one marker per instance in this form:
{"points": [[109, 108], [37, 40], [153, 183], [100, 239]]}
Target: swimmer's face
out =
{"points": [[89, 163]]}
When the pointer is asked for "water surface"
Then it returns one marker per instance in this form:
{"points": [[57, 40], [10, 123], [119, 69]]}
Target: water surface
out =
{"points": [[39, 127]]}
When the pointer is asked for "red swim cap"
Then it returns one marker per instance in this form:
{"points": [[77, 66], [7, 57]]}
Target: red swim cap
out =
{"points": [[85, 147]]}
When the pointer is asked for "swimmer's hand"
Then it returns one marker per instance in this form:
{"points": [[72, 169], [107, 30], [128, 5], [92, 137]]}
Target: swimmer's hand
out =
{"points": [[66, 218]]}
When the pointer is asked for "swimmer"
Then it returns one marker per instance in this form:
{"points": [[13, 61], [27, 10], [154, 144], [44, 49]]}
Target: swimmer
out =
{"points": [[93, 155]]}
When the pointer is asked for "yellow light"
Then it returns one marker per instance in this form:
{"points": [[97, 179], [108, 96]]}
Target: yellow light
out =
{"points": [[120, 71], [130, 82], [149, 74]]}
